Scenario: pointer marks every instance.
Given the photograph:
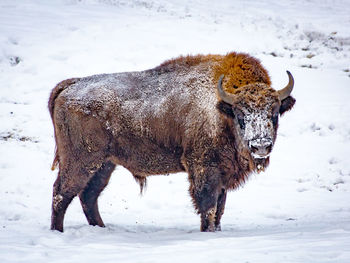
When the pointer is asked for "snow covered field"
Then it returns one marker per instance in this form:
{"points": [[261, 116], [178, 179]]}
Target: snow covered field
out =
{"points": [[297, 211]]}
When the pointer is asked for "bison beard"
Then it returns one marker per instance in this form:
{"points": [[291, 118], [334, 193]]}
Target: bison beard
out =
{"points": [[214, 117]]}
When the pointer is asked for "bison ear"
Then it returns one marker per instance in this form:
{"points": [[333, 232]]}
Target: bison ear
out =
{"points": [[225, 108], [287, 104]]}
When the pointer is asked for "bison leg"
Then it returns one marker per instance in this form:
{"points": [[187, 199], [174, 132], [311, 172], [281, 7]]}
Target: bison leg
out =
{"points": [[88, 197], [204, 190], [60, 203], [65, 188], [207, 220], [220, 209]]}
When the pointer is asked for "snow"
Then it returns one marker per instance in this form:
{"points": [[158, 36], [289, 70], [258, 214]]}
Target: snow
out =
{"points": [[296, 211]]}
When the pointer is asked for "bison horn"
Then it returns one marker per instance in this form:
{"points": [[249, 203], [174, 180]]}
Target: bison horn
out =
{"points": [[284, 93], [222, 94]]}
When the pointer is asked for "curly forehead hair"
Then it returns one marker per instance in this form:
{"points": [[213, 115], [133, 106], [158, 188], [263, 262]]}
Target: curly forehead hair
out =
{"points": [[259, 95], [240, 70]]}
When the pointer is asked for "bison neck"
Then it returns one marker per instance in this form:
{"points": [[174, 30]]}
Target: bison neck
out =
{"points": [[236, 161]]}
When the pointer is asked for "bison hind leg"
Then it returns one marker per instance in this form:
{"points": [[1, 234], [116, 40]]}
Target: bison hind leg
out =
{"points": [[88, 197], [142, 181], [60, 203], [65, 188]]}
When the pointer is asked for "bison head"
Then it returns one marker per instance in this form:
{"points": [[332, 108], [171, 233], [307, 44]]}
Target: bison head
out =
{"points": [[254, 110]]}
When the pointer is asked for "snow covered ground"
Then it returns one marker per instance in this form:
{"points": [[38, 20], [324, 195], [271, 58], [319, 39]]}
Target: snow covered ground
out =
{"points": [[297, 211]]}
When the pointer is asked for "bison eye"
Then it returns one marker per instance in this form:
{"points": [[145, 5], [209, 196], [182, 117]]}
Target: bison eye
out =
{"points": [[241, 122]]}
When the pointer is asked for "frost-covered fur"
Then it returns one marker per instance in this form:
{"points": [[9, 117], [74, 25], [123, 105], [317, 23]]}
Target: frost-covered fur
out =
{"points": [[159, 121]]}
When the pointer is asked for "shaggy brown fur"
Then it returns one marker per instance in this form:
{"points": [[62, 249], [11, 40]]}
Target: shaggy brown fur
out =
{"points": [[239, 69], [160, 121]]}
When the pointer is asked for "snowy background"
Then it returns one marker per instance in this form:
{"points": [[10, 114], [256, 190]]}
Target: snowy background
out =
{"points": [[297, 211]]}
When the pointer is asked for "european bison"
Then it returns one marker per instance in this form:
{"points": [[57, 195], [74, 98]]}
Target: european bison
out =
{"points": [[213, 116]]}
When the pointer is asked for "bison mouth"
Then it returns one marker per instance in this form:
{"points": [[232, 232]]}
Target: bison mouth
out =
{"points": [[260, 150], [261, 163]]}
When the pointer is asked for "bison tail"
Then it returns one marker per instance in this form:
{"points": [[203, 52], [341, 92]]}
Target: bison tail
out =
{"points": [[54, 94], [142, 181], [57, 90], [55, 161]]}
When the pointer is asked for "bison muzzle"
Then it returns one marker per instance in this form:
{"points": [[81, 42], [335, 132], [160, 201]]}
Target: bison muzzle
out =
{"points": [[214, 117]]}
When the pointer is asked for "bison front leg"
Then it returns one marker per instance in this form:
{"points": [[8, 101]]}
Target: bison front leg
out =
{"points": [[220, 209], [208, 220], [205, 189]]}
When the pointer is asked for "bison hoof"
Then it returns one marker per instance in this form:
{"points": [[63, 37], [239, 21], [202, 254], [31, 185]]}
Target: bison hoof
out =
{"points": [[57, 229]]}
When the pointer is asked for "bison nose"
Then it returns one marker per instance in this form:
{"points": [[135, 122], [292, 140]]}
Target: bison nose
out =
{"points": [[260, 148]]}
